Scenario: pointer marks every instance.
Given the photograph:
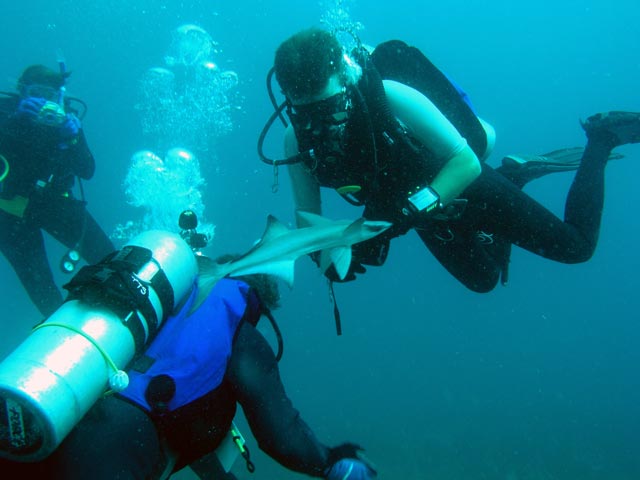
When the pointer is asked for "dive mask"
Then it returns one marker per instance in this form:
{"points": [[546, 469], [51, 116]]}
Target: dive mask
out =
{"points": [[321, 126], [42, 91], [332, 111]]}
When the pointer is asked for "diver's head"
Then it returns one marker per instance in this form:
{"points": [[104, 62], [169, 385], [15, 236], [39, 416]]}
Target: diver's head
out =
{"points": [[312, 65], [41, 82], [314, 73]]}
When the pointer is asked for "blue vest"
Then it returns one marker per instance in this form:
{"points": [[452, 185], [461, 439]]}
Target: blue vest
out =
{"points": [[194, 349]]}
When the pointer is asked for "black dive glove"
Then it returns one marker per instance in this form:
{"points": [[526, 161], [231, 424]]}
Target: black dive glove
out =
{"points": [[355, 267], [332, 274]]}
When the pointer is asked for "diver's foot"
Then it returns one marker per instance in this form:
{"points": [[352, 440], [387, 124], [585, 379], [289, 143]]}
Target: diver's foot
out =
{"points": [[619, 128], [521, 169]]}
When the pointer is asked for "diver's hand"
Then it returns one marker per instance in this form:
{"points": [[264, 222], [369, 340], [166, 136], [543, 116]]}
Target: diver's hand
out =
{"points": [[332, 274], [68, 131], [30, 107], [347, 464], [452, 211], [70, 128], [355, 267], [351, 469]]}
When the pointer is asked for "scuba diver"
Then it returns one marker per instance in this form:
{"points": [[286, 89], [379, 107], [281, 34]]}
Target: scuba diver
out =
{"points": [[42, 150], [388, 131], [183, 388]]}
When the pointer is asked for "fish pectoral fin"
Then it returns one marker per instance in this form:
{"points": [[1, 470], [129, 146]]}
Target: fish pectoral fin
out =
{"points": [[285, 271], [341, 259]]}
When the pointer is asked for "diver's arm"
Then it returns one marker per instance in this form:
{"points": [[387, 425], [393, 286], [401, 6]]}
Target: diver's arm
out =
{"points": [[275, 423], [433, 129], [86, 165], [456, 175], [79, 158], [306, 190]]}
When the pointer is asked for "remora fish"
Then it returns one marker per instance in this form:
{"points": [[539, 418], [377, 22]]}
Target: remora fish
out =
{"points": [[279, 247]]}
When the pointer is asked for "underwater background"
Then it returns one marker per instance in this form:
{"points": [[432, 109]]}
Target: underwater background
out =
{"points": [[535, 380]]}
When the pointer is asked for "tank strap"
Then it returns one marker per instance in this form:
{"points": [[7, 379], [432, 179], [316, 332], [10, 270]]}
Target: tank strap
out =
{"points": [[113, 283]]}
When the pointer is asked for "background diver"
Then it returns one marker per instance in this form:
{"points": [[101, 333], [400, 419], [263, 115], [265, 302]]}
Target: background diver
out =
{"points": [[42, 150]]}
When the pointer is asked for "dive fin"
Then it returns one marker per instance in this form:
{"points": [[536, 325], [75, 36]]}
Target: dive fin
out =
{"points": [[523, 168]]}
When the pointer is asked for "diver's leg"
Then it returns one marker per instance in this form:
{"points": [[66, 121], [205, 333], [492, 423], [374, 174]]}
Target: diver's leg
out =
{"points": [[498, 207], [23, 245], [115, 440], [585, 200], [95, 244], [463, 254], [71, 224], [518, 218]]}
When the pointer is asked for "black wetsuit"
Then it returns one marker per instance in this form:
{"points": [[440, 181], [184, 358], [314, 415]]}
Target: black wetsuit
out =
{"points": [[475, 248], [119, 440], [43, 172]]}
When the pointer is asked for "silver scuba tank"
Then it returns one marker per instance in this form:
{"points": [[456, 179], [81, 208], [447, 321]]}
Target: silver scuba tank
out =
{"points": [[50, 381]]}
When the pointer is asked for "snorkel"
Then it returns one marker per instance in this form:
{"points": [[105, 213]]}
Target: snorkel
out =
{"points": [[52, 112], [63, 74]]}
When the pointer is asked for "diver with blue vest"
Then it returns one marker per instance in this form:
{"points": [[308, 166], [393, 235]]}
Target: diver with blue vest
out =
{"points": [[184, 382], [389, 131], [43, 150]]}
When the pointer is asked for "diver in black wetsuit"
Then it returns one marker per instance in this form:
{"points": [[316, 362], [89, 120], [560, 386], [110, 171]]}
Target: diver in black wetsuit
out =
{"points": [[42, 150], [183, 394], [362, 126]]}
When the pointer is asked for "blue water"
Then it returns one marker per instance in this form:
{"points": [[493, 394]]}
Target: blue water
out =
{"points": [[536, 380]]}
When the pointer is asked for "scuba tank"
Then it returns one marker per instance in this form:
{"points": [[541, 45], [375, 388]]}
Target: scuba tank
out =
{"points": [[112, 312]]}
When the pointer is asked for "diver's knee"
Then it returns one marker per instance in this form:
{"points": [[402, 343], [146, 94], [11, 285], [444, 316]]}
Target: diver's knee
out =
{"points": [[581, 256], [484, 287], [582, 251], [481, 283]]}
